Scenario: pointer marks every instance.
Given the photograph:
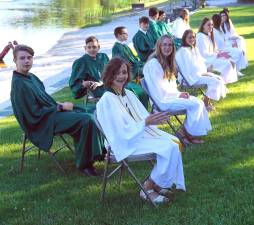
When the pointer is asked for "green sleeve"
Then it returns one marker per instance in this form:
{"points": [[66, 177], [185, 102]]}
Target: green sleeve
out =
{"points": [[36, 120], [78, 74]]}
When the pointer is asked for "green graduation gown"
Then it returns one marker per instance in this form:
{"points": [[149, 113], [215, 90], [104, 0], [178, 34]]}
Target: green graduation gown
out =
{"points": [[87, 68], [125, 52], [164, 28], [37, 114], [143, 43], [154, 31]]}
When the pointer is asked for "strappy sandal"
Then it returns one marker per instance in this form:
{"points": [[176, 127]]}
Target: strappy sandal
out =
{"points": [[160, 199], [196, 140], [210, 108], [184, 138]]}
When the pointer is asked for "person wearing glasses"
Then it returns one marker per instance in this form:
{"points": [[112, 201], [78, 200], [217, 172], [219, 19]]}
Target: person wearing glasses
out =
{"points": [[121, 49], [192, 66], [131, 130], [215, 59], [87, 70], [159, 73]]}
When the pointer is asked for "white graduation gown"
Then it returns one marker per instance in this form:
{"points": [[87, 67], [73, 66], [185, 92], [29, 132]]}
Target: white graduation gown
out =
{"points": [[128, 135], [179, 27], [222, 65], [166, 96], [193, 68], [236, 54], [232, 34]]}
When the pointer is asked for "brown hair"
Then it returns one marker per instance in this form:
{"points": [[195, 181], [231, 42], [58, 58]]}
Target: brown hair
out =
{"points": [[216, 21], [201, 30], [112, 69], [227, 22], [24, 48], [168, 63], [91, 39], [185, 34], [143, 19], [118, 30], [153, 11]]}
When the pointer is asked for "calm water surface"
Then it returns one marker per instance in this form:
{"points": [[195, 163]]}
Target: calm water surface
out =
{"points": [[40, 23]]}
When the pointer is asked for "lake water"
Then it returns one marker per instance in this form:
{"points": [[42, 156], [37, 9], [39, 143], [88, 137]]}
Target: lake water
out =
{"points": [[40, 23]]}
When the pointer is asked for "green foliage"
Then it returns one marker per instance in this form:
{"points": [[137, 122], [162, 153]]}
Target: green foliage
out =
{"points": [[219, 174]]}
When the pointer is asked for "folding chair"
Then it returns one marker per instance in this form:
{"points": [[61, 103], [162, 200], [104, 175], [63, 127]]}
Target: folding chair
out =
{"points": [[175, 113], [52, 155], [110, 159], [185, 85]]}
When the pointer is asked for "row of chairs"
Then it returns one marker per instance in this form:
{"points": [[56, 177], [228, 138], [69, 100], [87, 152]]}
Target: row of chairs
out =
{"points": [[109, 158]]}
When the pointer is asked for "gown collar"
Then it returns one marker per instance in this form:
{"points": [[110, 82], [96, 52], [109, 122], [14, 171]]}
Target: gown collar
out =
{"points": [[110, 89], [21, 74]]}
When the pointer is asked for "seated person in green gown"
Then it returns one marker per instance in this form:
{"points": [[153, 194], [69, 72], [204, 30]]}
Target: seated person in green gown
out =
{"points": [[40, 117], [154, 29], [142, 40], [163, 25], [122, 50], [87, 70]]}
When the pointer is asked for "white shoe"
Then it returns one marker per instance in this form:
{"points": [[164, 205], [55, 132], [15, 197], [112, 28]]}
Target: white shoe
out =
{"points": [[239, 74]]}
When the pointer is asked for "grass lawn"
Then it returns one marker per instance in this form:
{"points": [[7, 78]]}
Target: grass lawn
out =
{"points": [[219, 174]]}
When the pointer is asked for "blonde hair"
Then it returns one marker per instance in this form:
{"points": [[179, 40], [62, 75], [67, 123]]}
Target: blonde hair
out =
{"points": [[167, 63]]}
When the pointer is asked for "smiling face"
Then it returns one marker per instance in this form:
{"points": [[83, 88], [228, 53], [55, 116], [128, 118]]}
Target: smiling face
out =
{"points": [[190, 39], [92, 48], [208, 27], [23, 61], [223, 17], [166, 47], [120, 77], [162, 17]]}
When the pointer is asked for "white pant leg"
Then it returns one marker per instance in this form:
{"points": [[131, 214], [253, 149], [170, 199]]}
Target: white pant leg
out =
{"points": [[215, 86], [227, 70], [168, 169], [197, 122], [238, 57]]}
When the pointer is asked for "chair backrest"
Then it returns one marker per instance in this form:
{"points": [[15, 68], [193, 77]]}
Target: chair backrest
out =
{"points": [[185, 83], [144, 86]]}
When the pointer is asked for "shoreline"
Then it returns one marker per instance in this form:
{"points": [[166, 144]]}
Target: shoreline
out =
{"points": [[54, 67]]}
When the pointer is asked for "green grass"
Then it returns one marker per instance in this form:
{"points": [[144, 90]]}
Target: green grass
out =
{"points": [[219, 174]]}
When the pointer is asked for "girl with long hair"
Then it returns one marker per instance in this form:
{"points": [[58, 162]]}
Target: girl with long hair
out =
{"points": [[131, 130], [193, 68], [223, 44], [214, 59], [159, 74]]}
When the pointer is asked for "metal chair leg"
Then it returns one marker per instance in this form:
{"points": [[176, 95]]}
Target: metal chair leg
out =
{"points": [[105, 178], [66, 144], [139, 183], [23, 150], [121, 173], [53, 157]]}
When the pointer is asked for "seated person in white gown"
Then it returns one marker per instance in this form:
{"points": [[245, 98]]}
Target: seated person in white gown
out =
{"points": [[216, 60], [130, 130], [193, 68], [236, 54], [230, 32], [181, 24], [159, 74]]}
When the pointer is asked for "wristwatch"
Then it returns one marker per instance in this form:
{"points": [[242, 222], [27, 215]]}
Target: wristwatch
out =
{"points": [[60, 107]]}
